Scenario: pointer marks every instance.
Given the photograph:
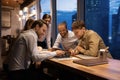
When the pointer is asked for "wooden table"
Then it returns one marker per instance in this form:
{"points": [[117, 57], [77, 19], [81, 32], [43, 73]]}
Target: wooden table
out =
{"points": [[110, 71]]}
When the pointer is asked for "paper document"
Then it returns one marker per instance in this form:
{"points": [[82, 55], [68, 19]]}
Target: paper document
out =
{"points": [[70, 58], [81, 56]]}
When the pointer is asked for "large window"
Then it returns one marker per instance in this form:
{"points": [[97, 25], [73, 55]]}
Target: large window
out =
{"points": [[103, 17], [45, 7], [66, 11], [114, 27]]}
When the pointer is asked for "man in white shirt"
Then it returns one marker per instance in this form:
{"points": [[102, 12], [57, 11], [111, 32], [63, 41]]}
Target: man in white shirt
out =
{"points": [[65, 37], [25, 49]]}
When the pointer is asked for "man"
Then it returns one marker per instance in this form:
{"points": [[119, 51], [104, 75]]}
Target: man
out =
{"points": [[65, 37], [25, 49], [47, 38], [89, 41]]}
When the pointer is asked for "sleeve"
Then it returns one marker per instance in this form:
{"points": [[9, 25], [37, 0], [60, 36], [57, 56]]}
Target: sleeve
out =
{"points": [[35, 53], [57, 42], [48, 37], [93, 44]]}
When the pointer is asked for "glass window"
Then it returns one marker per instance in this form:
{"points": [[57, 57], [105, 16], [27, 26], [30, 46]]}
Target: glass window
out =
{"points": [[114, 27], [45, 7], [66, 11], [102, 16], [32, 12]]}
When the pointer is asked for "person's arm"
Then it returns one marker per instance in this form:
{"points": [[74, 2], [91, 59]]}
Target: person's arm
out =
{"points": [[93, 44], [39, 55], [35, 53], [48, 37], [57, 42]]}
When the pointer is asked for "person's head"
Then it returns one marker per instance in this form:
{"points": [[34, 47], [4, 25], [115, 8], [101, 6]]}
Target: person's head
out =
{"points": [[78, 27], [28, 24], [47, 18], [40, 27], [62, 28]]}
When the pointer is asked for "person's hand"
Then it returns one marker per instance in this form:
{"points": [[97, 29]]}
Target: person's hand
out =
{"points": [[50, 49], [39, 48], [60, 52], [71, 51], [79, 48], [74, 52]]}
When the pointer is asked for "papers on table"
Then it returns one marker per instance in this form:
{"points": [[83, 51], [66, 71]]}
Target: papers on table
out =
{"points": [[69, 58], [81, 56], [76, 57]]}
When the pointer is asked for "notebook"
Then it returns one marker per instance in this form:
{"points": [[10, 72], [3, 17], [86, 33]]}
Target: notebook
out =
{"points": [[81, 56], [91, 62]]}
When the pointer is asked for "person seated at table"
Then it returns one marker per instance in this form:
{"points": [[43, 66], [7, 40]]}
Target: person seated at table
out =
{"points": [[89, 41], [65, 37]]}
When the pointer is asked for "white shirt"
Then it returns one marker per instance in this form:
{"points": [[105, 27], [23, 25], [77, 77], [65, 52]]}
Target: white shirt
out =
{"points": [[67, 43], [48, 36], [25, 49]]}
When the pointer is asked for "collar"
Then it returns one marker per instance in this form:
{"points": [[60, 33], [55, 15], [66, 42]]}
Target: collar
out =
{"points": [[35, 34]]}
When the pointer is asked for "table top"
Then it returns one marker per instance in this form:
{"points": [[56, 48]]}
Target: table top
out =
{"points": [[109, 71]]}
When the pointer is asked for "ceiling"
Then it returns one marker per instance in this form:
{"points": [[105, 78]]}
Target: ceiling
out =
{"points": [[12, 3], [16, 3]]}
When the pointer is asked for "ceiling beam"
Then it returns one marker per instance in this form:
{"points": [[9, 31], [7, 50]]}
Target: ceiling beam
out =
{"points": [[26, 3]]}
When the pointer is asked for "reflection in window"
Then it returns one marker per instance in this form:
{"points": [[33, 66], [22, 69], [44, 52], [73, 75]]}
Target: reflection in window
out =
{"points": [[45, 7], [103, 17], [114, 27], [66, 11], [32, 12], [32, 8]]}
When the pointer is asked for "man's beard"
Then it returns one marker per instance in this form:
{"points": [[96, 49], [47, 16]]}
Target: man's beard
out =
{"points": [[41, 37]]}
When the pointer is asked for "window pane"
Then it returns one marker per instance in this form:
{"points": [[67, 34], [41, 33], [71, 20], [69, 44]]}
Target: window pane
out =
{"points": [[114, 25], [66, 11], [32, 12], [45, 7], [102, 16]]}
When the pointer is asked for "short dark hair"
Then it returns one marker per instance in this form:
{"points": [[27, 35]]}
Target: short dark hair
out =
{"points": [[46, 16], [63, 23], [39, 22], [78, 24]]}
